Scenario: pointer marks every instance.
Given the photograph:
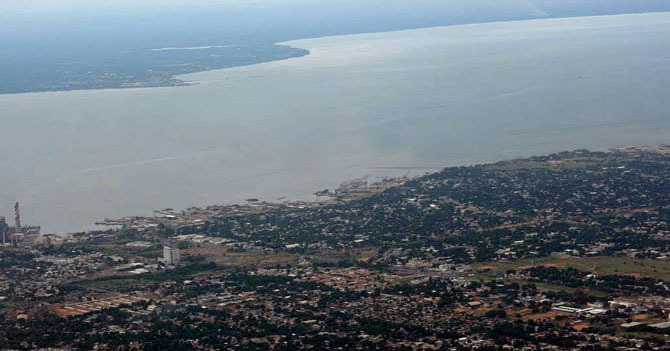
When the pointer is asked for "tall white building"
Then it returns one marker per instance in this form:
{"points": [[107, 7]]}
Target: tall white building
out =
{"points": [[170, 255]]}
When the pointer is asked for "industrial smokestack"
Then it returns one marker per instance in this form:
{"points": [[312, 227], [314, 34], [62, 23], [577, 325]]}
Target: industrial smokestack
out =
{"points": [[3, 230], [17, 217]]}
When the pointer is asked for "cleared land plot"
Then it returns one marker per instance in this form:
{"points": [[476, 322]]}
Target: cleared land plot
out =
{"points": [[601, 265]]}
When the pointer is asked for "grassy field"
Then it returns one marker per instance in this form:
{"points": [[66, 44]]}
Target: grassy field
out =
{"points": [[490, 275], [113, 284], [365, 255], [600, 265], [223, 256], [127, 281]]}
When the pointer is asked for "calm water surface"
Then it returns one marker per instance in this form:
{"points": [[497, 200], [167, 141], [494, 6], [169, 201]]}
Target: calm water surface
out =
{"points": [[356, 105]]}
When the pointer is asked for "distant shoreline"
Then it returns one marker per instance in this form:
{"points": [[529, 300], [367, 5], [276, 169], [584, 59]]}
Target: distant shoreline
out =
{"points": [[175, 80]]}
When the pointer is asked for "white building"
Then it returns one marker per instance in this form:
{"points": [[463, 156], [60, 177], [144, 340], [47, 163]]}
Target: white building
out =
{"points": [[170, 255]]}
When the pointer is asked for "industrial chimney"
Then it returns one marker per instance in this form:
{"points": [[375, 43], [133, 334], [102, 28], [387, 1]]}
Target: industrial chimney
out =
{"points": [[17, 217], [3, 230]]}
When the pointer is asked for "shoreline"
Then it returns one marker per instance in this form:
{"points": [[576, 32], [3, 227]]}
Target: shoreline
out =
{"points": [[331, 116], [350, 190], [179, 82]]}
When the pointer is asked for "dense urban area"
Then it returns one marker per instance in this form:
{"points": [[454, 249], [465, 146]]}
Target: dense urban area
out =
{"points": [[562, 252]]}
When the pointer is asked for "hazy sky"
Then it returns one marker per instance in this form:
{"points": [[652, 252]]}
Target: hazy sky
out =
{"points": [[41, 8], [21, 11], [50, 10], [134, 6]]}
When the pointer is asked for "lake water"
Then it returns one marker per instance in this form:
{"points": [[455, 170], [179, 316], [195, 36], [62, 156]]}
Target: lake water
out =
{"points": [[358, 105]]}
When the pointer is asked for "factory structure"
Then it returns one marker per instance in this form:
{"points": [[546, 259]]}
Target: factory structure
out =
{"points": [[18, 234]]}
